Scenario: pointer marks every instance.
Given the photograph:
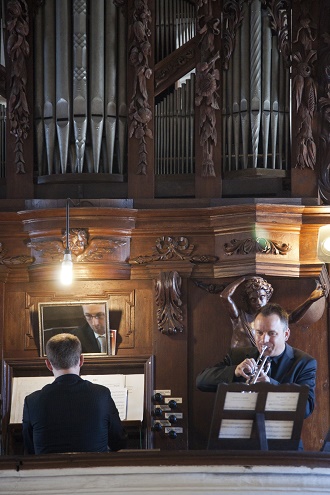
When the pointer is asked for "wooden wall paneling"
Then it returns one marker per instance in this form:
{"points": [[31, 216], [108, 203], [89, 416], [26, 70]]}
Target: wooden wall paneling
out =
{"points": [[130, 305], [312, 338], [171, 368], [210, 331]]}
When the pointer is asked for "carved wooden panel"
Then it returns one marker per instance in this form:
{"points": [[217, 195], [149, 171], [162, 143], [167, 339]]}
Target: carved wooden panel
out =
{"points": [[121, 308]]}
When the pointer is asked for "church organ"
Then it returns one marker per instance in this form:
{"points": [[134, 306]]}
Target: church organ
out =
{"points": [[188, 166]]}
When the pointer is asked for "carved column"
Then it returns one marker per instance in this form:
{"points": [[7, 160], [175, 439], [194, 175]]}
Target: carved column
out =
{"points": [[19, 68], [305, 35], [140, 98]]}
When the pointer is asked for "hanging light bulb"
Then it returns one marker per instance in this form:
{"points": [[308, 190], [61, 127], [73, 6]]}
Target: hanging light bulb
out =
{"points": [[67, 268], [67, 265]]}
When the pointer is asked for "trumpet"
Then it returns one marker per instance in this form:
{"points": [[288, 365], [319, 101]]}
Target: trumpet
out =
{"points": [[263, 364]]}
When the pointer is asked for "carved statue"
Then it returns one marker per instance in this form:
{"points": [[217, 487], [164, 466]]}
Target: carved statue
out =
{"points": [[257, 292]]}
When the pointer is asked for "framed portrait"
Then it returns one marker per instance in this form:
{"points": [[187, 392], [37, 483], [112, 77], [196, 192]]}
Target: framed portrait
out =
{"points": [[88, 320]]}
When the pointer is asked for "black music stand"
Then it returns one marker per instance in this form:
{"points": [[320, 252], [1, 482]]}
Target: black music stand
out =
{"points": [[258, 417]]}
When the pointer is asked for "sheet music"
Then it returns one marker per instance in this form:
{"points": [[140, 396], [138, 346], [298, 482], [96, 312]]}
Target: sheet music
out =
{"points": [[21, 387], [282, 401], [127, 392], [109, 381], [135, 387], [236, 428], [119, 396], [278, 430], [240, 401]]}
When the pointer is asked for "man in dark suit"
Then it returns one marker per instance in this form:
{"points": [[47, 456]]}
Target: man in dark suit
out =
{"points": [[71, 414], [288, 365], [92, 334]]}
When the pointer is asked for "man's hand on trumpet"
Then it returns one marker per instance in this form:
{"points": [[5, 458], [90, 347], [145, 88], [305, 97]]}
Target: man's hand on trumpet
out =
{"points": [[248, 368]]}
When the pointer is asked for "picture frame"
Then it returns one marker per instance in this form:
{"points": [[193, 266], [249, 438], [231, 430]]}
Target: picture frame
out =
{"points": [[77, 318]]}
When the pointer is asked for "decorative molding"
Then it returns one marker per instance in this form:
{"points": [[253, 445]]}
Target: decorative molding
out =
{"points": [[257, 245], [204, 259], [174, 65], [18, 49], [279, 12], [140, 112], [304, 93], [207, 83], [173, 248], [324, 106], [211, 288], [14, 260], [167, 248], [83, 249], [168, 301], [232, 19]]}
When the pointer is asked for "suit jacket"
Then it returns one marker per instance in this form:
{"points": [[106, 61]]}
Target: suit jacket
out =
{"points": [[87, 338], [294, 366], [71, 415]]}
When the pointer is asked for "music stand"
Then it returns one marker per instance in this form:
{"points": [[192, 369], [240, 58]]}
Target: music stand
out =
{"points": [[258, 417]]}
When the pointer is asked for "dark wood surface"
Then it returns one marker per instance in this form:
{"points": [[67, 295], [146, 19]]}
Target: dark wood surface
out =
{"points": [[163, 458]]}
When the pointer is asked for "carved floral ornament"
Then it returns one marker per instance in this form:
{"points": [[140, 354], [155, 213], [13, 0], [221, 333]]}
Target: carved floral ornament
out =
{"points": [[324, 105], [207, 83], [18, 50], [256, 245], [82, 248], [14, 260], [171, 248], [139, 111]]}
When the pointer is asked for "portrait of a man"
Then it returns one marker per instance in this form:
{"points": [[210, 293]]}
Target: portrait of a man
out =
{"points": [[89, 321], [93, 333]]}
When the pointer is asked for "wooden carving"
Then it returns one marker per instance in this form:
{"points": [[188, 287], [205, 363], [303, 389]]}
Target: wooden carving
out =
{"points": [[183, 59], [168, 301], [167, 248], [232, 19], [140, 113], [279, 12], [81, 247], [324, 105], [211, 288], [258, 245], [18, 50], [207, 83], [304, 89], [14, 260]]}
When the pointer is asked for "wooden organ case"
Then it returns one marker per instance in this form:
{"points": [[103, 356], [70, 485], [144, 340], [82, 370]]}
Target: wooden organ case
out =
{"points": [[181, 180]]}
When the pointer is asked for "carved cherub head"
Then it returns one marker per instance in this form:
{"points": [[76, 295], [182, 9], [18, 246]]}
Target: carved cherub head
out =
{"points": [[78, 240], [257, 293]]}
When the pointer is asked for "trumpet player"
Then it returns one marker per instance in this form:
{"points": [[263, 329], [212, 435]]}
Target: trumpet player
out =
{"points": [[288, 364]]}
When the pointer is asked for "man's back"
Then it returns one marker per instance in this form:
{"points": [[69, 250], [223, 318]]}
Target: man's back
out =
{"points": [[71, 415]]}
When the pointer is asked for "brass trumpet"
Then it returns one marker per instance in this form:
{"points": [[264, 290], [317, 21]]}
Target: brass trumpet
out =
{"points": [[263, 364]]}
